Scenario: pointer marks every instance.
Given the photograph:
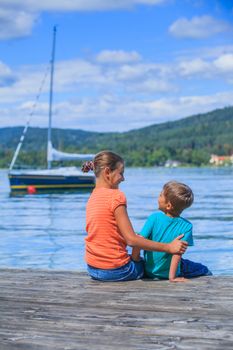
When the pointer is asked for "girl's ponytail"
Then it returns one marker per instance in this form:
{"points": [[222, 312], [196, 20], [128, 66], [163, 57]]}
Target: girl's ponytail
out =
{"points": [[87, 166]]}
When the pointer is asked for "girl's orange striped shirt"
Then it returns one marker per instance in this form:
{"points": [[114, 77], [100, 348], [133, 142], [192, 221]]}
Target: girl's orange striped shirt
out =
{"points": [[105, 245]]}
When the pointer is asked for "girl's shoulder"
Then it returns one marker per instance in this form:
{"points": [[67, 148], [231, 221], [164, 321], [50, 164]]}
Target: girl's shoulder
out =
{"points": [[111, 197], [108, 192], [119, 193], [117, 198]]}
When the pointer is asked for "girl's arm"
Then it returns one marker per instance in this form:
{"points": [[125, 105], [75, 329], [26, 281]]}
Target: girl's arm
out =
{"points": [[173, 268], [134, 240]]}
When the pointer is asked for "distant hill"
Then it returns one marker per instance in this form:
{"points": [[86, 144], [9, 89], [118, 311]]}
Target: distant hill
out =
{"points": [[190, 140]]}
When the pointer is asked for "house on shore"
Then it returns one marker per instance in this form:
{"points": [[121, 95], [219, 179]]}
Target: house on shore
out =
{"points": [[221, 160], [172, 163]]}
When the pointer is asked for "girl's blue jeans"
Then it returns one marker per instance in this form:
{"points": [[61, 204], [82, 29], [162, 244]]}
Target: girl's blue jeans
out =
{"points": [[131, 271]]}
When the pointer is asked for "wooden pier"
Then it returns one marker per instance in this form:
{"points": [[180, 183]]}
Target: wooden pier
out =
{"points": [[68, 311]]}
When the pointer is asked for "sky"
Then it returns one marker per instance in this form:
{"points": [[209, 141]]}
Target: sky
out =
{"points": [[119, 64]]}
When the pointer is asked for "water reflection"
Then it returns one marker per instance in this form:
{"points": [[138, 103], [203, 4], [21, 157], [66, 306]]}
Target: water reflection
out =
{"points": [[56, 247]]}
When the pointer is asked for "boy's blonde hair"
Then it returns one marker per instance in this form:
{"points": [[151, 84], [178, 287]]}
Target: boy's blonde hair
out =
{"points": [[179, 195]]}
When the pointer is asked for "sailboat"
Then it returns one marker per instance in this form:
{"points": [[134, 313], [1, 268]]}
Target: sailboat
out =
{"points": [[50, 178]]}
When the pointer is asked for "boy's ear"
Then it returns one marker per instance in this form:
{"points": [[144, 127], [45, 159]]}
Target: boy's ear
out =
{"points": [[169, 206]]}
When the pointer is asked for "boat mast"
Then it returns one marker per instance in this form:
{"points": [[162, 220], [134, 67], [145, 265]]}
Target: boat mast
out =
{"points": [[51, 96]]}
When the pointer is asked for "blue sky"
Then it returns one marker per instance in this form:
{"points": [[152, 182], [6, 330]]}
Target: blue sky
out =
{"points": [[120, 64]]}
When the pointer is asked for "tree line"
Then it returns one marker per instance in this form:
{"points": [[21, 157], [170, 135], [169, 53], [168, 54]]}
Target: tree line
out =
{"points": [[191, 141]]}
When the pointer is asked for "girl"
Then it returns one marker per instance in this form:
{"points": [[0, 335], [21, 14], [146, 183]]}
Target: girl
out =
{"points": [[109, 229]]}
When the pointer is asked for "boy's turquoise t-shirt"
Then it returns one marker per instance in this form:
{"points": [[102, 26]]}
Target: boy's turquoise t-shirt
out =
{"points": [[162, 228]]}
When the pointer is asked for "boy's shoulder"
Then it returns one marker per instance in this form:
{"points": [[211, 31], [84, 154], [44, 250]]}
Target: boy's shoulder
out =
{"points": [[185, 221], [186, 228], [157, 216], [149, 217], [160, 215]]}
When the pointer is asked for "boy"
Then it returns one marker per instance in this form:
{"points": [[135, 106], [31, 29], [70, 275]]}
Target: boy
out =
{"points": [[164, 226]]}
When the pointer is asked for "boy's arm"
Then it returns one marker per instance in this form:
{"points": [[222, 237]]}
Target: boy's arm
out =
{"points": [[173, 268], [177, 257]]}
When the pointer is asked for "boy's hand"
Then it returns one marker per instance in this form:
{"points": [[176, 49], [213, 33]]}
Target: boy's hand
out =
{"points": [[177, 246], [178, 279], [135, 256]]}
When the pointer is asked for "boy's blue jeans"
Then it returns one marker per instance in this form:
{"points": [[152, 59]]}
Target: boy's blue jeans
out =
{"points": [[131, 271], [190, 269]]}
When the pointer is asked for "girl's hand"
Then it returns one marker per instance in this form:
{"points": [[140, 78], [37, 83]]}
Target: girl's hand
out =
{"points": [[178, 279], [177, 246]]}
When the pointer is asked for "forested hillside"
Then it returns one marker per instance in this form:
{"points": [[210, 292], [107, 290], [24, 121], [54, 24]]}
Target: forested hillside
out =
{"points": [[190, 140]]}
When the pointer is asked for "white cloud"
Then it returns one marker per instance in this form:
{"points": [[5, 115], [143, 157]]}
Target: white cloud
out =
{"points": [[224, 63], [119, 56], [22, 86], [204, 53], [131, 72], [78, 73], [151, 86], [220, 67], [17, 17], [198, 27], [15, 23], [112, 113], [140, 72], [193, 67], [78, 5], [97, 96], [6, 75]]}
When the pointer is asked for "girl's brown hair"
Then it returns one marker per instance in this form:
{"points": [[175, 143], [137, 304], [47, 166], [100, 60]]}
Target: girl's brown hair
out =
{"points": [[179, 195], [103, 159]]}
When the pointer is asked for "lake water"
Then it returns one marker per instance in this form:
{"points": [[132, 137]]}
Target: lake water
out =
{"points": [[47, 230]]}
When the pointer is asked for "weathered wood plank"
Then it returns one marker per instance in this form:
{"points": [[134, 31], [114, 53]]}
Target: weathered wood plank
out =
{"points": [[67, 310]]}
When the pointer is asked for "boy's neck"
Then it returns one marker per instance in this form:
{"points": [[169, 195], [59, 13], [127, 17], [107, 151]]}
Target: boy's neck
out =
{"points": [[170, 215]]}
